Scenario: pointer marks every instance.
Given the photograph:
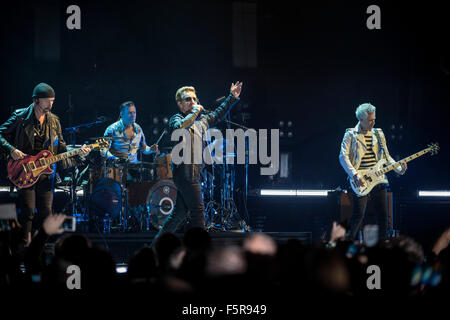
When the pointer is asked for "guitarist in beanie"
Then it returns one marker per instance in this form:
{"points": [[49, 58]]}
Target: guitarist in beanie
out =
{"points": [[26, 132]]}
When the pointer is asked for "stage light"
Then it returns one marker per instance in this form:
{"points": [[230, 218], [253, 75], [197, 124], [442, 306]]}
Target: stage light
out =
{"points": [[307, 193], [281, 124], [165, 120], [289, 124], [268, 192], [121, 268], [281, 134], [155, 131], [67, 190], [294, 193], [155, 120], [434, 193], [290, 134], [7, 189]]}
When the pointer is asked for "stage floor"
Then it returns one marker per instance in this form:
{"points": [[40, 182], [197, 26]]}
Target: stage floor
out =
{"points": [[123, 246]]}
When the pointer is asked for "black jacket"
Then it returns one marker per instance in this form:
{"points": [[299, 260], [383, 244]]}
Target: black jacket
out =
{"points": [[179, 121], [17, 132]]}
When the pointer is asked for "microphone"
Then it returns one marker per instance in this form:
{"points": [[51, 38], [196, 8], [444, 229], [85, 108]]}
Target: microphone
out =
{"points": [[204, 109], [217, 100]]}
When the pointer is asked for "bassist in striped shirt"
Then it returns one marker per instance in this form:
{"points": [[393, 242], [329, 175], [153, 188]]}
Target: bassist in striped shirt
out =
{"points": [[362, 147]]}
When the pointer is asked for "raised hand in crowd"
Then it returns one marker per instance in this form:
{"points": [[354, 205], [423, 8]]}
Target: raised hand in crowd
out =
{"points": [[52, 225], [337, 232], [442, 242]]}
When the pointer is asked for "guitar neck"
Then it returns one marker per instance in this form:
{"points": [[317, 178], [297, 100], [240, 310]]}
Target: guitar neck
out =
{"points": [[404, 160], [67, 155]]}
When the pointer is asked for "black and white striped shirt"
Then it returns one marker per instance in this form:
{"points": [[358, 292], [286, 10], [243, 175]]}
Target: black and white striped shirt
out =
{"points": [[369, 159]]}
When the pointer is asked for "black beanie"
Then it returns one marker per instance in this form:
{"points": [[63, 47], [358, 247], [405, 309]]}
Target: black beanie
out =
{"points": [[43, 90]]}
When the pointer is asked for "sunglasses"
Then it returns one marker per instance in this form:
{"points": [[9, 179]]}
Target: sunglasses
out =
{"points": [[189, 99]]}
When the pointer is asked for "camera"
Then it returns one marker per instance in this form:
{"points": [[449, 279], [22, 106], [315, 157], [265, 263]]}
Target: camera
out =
{"points": [[69, 224]]}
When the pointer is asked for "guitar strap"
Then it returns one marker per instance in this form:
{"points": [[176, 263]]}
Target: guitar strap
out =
{"points": [[382, 145]]}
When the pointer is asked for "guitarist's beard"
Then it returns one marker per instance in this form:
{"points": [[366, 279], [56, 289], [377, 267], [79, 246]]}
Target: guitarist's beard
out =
{"points": [[45, 110]]}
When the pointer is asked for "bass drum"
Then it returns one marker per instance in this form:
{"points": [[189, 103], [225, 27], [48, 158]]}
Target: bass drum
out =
{"points": [[106, 198], [160, 202]]}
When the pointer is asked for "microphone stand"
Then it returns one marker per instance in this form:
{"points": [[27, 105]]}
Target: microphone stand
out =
{"points": [[72, 131], [246, 227]]}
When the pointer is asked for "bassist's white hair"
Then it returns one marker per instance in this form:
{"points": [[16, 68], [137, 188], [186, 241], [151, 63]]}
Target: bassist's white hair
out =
{"points": [[363, 110]]}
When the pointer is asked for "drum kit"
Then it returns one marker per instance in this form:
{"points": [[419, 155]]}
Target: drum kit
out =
{"points": [[122, 196], [119, 196]]}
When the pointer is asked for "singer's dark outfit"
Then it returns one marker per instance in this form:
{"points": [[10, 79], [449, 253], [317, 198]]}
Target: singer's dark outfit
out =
{"points": [[24, 132], [187, 176]]}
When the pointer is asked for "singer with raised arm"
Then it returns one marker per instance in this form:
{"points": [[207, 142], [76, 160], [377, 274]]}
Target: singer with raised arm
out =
{"points": [[186, 176], [131, 134], [26, 133]]}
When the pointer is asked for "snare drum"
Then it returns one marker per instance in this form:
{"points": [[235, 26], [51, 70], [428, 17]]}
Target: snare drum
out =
{"points": [[111, 170]]}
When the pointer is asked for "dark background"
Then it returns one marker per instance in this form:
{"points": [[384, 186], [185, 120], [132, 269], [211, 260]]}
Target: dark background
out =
{"points": [[309, 62]]}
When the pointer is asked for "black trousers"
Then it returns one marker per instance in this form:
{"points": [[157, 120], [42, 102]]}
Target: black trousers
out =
{"points": [[189, 199], [376, 203], [40, 197]]}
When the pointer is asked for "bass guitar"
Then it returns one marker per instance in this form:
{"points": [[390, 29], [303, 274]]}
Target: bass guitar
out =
{"points": [[375, 175]]}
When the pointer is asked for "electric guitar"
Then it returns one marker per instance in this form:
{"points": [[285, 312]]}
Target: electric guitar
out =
{"points": [[25, 172], [375, 175]]}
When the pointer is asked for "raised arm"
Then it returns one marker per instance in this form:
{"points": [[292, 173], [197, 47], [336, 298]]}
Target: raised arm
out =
{"points": [[217, 115]]}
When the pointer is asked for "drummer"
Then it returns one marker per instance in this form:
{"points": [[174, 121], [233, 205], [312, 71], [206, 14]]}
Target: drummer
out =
{"points": [[133, 139]]}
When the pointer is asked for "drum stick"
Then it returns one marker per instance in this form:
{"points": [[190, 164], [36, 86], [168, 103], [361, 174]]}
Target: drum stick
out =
{"points": [[160, 137]]}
